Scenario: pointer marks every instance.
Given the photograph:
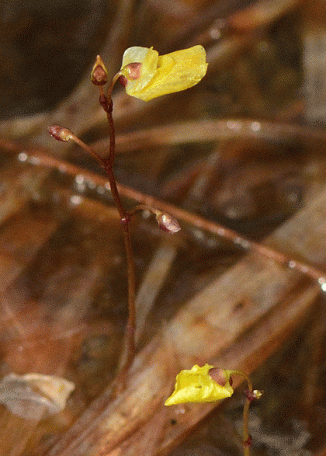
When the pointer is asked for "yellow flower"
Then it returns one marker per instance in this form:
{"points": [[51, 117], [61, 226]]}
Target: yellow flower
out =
{"points": [[197, 385], [147, 75]]}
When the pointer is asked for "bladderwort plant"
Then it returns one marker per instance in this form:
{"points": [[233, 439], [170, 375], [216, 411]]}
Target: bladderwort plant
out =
{"points": [[147, 75]]}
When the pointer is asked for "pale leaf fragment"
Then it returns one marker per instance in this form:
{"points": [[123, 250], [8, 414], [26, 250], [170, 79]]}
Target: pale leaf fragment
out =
{"points": [[30, 395]]}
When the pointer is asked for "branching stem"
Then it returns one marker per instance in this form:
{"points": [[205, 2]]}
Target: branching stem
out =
{"points": [[125, 219]]}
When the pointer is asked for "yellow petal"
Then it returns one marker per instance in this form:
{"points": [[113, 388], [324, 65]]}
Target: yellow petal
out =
{"points": [[196, 385], [165, 74], [177, 71]]}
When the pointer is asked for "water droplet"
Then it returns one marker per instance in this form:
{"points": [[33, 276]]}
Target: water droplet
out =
{"points": [[80, 179], [322, 283], [34, 160], [215, 33], [221, 231], [80, 183], [75, 200], [244, 243], [180, 410], [22, 156], [107, 186], [100, 190], [292, 264], [255, 126], [199, 234], [81, 188], [91, 184], [146, 214], [232, 212], [234, 125], [212, 242]]}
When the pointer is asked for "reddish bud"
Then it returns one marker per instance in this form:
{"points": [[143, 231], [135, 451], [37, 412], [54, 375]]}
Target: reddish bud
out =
{"points": [[218, 375], [167, 223], [130, 72], [123, 81], [99, 75], [60, 133], [251, 395]]}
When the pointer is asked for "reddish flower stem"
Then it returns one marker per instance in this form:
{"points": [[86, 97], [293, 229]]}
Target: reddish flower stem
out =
{"points": [[63, 134], [125, 223], [250, 395], [129, 352]]}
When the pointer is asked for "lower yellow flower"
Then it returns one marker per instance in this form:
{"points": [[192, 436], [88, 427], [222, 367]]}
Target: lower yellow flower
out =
{"points": [[147, 75], [197, 385]]}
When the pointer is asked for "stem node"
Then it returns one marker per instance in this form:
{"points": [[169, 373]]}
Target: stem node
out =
{"points": [[125, 221], [247, 442]]}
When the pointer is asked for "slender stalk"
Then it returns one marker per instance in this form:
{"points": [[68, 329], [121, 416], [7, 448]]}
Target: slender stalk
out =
{"points": [[250, 396], [125, 219], [245, 428], [129, 353]]}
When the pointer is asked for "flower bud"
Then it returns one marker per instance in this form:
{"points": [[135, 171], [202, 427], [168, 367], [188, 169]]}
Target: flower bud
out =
{"points": [[251, 395], [99, 75], [60, 133], [123, 80], [167, 223], [130, 72]]}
